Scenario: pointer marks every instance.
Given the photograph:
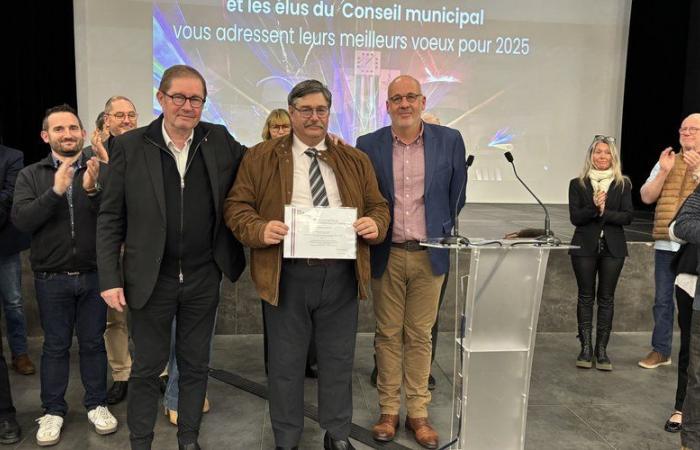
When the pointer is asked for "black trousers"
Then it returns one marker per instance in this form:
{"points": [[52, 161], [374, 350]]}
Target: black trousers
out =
{"points": [[194, 303], [685, 316], [690, 434], [311, 359], [319, 301], [606, 268], [7, 409]]}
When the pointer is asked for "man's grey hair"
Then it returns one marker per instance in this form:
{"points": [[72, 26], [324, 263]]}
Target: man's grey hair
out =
{"points": [[309, 87]]}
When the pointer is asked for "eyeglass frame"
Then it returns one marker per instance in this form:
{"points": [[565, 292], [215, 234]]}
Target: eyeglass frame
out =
{"points": [[185, 99], [131, 115], [280, 126], [692, 131], [308, 112], [397, 99]]}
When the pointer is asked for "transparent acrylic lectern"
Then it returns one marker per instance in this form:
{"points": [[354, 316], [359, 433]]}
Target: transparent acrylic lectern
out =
{"points": [[497, 301]]}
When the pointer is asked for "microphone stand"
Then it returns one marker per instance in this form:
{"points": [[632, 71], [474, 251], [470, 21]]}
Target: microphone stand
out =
{"points": [[548, 237], [455, 238]]}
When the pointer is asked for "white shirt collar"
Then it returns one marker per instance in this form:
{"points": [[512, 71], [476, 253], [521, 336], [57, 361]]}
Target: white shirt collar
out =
{"points": [[299, 147], [169, 142]]}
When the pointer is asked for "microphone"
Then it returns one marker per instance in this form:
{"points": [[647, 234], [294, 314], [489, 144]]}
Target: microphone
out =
{"points": [[455, 238], [548, 236]]}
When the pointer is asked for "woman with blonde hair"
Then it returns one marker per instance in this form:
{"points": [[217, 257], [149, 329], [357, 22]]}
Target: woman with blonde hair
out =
{"points": [[600, 204], [277, 124]]}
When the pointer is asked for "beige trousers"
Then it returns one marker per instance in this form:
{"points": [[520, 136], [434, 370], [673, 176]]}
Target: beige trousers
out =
{"points": [[117, 344], [405, 305]]}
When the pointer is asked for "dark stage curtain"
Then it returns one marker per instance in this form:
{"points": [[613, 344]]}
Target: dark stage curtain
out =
{"points": [[662, 82], [38, 64]]}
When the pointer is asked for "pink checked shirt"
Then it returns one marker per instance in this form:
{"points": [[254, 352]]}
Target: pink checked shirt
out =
{"points": [[409, 187]]}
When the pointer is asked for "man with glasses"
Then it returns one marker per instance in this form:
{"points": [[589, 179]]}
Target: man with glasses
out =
{"points": [[120, 116], [421, 171], [672, 180], [307, 298], [163, 201]]}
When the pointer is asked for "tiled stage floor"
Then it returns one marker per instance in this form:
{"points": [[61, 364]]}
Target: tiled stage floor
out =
{"points": [[569, 408]]}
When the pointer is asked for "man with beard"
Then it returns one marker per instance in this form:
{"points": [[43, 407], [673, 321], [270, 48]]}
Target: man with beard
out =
{"points": [[56, 200]]}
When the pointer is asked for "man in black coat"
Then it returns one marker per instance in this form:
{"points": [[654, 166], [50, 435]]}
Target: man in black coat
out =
{"points": [[12, 242], [56, 200], [163, 200]]}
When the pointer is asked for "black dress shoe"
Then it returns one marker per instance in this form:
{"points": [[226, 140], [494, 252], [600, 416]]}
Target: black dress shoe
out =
{"points": [[191, 446], [10, 432], [117, 392], [331, 444], [431, 382], [673, 427]]}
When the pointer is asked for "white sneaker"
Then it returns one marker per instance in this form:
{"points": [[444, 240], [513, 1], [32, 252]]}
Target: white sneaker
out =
{"points": [[103, 420], [49, 432]]}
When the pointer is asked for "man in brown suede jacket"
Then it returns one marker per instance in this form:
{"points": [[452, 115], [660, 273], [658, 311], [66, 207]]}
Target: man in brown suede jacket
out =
{"points": [[307, 298]]}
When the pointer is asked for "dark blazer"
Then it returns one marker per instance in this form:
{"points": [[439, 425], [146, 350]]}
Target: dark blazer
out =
{"points": [[133, 208], [584, 215], [12, 240], [445, 175]]}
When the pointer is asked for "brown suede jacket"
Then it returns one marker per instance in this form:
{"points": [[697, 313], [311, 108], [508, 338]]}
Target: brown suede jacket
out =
{"points": [[264, 185]]}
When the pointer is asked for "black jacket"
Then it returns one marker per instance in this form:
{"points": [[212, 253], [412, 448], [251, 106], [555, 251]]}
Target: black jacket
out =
{"points": [[57, 246], [12, 240], [133, 209], [584, 215]]}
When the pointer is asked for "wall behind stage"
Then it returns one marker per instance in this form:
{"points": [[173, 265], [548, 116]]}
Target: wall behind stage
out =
{"points": [[543, 101]]}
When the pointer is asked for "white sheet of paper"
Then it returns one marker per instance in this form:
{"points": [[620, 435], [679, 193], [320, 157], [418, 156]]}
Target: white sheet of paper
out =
{"points": [[320, 233]]}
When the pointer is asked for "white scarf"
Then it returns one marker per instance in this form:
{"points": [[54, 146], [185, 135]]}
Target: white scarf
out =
{"points": [[601, 179]]}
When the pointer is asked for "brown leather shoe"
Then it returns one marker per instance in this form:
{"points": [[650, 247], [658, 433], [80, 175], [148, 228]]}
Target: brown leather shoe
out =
{"points": [[385, 429], [23, 365], [423, 432]]}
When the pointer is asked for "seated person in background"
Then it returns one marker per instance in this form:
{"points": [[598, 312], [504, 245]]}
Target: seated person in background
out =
{"points": [[600, 203]]}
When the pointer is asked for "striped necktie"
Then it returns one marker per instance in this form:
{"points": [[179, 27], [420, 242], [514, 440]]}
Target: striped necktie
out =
{"points": [[318, 190]]}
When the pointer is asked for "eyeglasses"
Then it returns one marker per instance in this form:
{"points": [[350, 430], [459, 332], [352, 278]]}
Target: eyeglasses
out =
{"points": [[120, 115], [690, 130], [179, 100], [602, 137], [307, 113], [410, 98], [284, 127]]}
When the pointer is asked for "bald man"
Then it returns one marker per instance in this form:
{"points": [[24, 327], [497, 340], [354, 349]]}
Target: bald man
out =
{"points": [[672, 180], [421, 172], [120, 116]]}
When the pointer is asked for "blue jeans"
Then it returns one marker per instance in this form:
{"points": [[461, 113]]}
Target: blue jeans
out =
{"points": [[68, 302], [172, 391], [664, 308], [11, 294]]}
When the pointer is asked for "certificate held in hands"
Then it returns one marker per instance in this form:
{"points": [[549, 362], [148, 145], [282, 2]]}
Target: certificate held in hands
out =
{"points": [[320, 233]]}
